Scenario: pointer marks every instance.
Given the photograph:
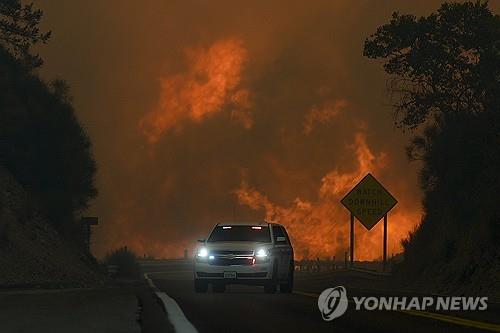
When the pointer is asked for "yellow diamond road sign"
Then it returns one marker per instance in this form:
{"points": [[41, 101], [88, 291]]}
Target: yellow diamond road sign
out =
{"points": [[369, 201]]}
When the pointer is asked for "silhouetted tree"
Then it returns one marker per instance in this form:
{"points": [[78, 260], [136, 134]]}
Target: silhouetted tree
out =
{"points": [[19, 30], [445, 75], [444, 64], [42, 143]]}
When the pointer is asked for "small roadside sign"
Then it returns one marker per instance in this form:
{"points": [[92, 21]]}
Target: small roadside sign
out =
{"points": [[90, 220], [85, 223], [369, 201]]}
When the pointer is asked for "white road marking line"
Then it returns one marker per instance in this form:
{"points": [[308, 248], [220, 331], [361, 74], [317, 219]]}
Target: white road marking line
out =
{"points": [[150, 283], [175, 315], [174, 312]]}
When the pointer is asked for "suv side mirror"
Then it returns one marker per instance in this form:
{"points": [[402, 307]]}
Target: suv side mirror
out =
{"points": [[201, 240], [280, 239]]}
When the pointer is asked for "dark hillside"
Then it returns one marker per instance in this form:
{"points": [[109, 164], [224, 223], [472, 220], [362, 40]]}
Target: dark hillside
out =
{"points": [[32, 253]]}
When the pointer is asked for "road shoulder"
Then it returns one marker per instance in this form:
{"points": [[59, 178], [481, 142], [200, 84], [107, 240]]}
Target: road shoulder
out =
{"points": [[106, 310]]}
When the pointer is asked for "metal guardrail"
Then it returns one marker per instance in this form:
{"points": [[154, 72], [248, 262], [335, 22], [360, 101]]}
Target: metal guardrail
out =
{"points": [[317, 265], [112, 270]]}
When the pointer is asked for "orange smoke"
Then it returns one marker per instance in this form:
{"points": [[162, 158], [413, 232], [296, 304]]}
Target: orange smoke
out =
{"points": [[321, 114], [321, 228], [211, 82]]}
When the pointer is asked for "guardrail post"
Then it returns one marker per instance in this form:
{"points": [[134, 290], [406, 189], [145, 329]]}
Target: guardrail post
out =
{"points": [[385, 242]]}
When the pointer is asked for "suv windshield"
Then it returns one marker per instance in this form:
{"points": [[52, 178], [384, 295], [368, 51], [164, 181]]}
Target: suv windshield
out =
{"points": [[240, 233]]}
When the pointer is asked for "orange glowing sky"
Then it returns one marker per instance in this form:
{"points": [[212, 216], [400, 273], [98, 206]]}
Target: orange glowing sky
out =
{"points": [[202, 112]]}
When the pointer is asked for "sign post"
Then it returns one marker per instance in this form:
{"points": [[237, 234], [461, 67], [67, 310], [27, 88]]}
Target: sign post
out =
{"points": [[369, 201], [85, 224], [385, 240], [351, 247]]}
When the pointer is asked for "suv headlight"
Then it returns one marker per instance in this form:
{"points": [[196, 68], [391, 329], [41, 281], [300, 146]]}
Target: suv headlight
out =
{"points": [[202, 253], [261, 253]]}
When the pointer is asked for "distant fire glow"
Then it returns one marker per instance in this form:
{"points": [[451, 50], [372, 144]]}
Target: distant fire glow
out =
{"points": [[320, 228]]}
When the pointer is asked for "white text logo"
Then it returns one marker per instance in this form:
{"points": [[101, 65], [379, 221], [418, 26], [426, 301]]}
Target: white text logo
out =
{"points": [[332, 303]]}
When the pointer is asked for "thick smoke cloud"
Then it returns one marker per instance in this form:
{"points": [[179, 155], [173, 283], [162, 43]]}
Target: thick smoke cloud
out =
{"points": [[210, 81], [203, 112]]}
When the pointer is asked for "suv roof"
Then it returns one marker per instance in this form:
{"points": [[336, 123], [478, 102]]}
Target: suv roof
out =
{"points": [[258, 223]]}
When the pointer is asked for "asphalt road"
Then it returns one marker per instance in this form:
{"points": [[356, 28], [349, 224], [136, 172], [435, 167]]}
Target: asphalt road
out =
{"points": [[99, 310], [249, 309]]}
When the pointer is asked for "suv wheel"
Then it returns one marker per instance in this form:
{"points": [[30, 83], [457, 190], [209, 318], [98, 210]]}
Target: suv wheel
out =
{"points": [[200, 286], [272, 285], [219, 287], [287, 287]]}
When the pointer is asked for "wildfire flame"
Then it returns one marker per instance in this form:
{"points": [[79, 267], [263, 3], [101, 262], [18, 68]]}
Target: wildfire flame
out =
{"points": [[212, 81], [321, 228]]}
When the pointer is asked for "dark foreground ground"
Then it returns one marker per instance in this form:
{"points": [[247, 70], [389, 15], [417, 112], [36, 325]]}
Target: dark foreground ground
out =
{"points": [[167, 303], [102, 310], [248, 309]]}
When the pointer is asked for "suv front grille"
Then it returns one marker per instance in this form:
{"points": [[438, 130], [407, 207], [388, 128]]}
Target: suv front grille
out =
{"points": [[231, 252], [218, 261], [232, 258]]}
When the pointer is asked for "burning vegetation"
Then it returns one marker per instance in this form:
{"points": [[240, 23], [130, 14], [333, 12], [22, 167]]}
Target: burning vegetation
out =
{"points": [[320, 228]]}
